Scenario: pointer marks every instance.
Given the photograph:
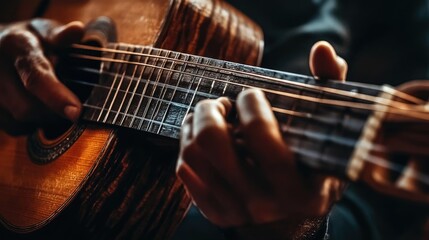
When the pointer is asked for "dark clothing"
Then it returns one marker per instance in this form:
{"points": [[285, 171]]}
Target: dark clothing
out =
{"points": [[383, 42]]}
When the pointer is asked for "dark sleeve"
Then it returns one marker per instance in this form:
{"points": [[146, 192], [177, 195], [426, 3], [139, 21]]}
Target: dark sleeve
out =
{"points": [[389, 40], [291, 27], [366, 214]]}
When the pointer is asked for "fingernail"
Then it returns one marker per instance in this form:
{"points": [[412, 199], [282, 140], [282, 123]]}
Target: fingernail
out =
{"points": [[72, 113]]}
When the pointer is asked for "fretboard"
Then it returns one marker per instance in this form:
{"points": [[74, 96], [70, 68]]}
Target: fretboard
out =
{"points": [[152, 90]]}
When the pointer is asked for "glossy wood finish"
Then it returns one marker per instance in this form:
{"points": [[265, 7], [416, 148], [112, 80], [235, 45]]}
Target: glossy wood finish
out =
{"points": [[113, 183], [32, 193], [212, 28], [138, 21]]}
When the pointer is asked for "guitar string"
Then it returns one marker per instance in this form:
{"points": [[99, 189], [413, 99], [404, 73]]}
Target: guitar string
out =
{"points": [[124, 67], [370, 158], [108, 95], [144, 92], [179, 79], [164, 116], [157, 81], [361, 96], [414, 111], [384, 163], [126, 90], [119, 87], [187, 90], [182, 105], [134, 90], [318, 119], [378, 161], [397, 105]]}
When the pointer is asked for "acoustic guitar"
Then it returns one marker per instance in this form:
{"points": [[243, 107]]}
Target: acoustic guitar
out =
{"points": [[103, 182], [112, 175]]}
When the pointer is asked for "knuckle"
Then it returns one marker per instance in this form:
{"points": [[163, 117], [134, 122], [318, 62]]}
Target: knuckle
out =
{"points": [[31, 68], [17, 41], [15, 34]]}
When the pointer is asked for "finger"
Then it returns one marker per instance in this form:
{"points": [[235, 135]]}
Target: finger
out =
{"points": [[37, 75], [260, 129], [217, 202], [58, 35], [200, 194], [324, 62], [186, 131], [195, 158], [212, 134]]}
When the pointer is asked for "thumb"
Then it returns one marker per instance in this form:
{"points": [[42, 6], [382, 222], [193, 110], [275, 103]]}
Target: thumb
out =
{"points": [[324, 62], [57, 35]]}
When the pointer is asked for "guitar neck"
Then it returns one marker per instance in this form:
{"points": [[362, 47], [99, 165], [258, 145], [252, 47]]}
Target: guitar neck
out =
{"points": [[152, 90]]}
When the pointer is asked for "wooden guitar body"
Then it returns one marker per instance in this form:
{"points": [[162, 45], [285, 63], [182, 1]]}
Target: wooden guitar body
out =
{"points": [[98, 182]]}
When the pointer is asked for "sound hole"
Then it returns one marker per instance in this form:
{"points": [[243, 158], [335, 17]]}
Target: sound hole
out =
{"points": [[42, 150], [56, 129]]}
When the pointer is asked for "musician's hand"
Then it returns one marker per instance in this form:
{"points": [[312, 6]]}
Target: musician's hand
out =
{"points": [[29, 89], [225, 187]]}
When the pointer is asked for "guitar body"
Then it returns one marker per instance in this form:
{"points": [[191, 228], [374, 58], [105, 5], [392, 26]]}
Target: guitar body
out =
{"points": [[98, 182]]}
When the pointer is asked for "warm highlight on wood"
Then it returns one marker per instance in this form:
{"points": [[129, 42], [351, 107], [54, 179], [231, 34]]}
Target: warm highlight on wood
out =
{"points": [[32, 193], [212, 29], [116, 183], [138, 21]]}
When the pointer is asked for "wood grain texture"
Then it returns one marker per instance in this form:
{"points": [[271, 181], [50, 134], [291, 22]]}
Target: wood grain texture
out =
{"points": [[127, 188], [212, 28], [32, 193], [138, 21]]}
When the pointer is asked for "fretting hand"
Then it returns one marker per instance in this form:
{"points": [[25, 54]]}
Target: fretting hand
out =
{"points": [[29, 90], [230, 195]]}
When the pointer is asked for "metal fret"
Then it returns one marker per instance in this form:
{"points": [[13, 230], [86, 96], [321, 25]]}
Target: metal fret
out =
{"points": [[126, 92], [194, 94], [112, 102], [158, 79], [164, 89], [110, 91], [183, 69], [318, 132], [127, 114], [145, 89], [191, 82]]}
